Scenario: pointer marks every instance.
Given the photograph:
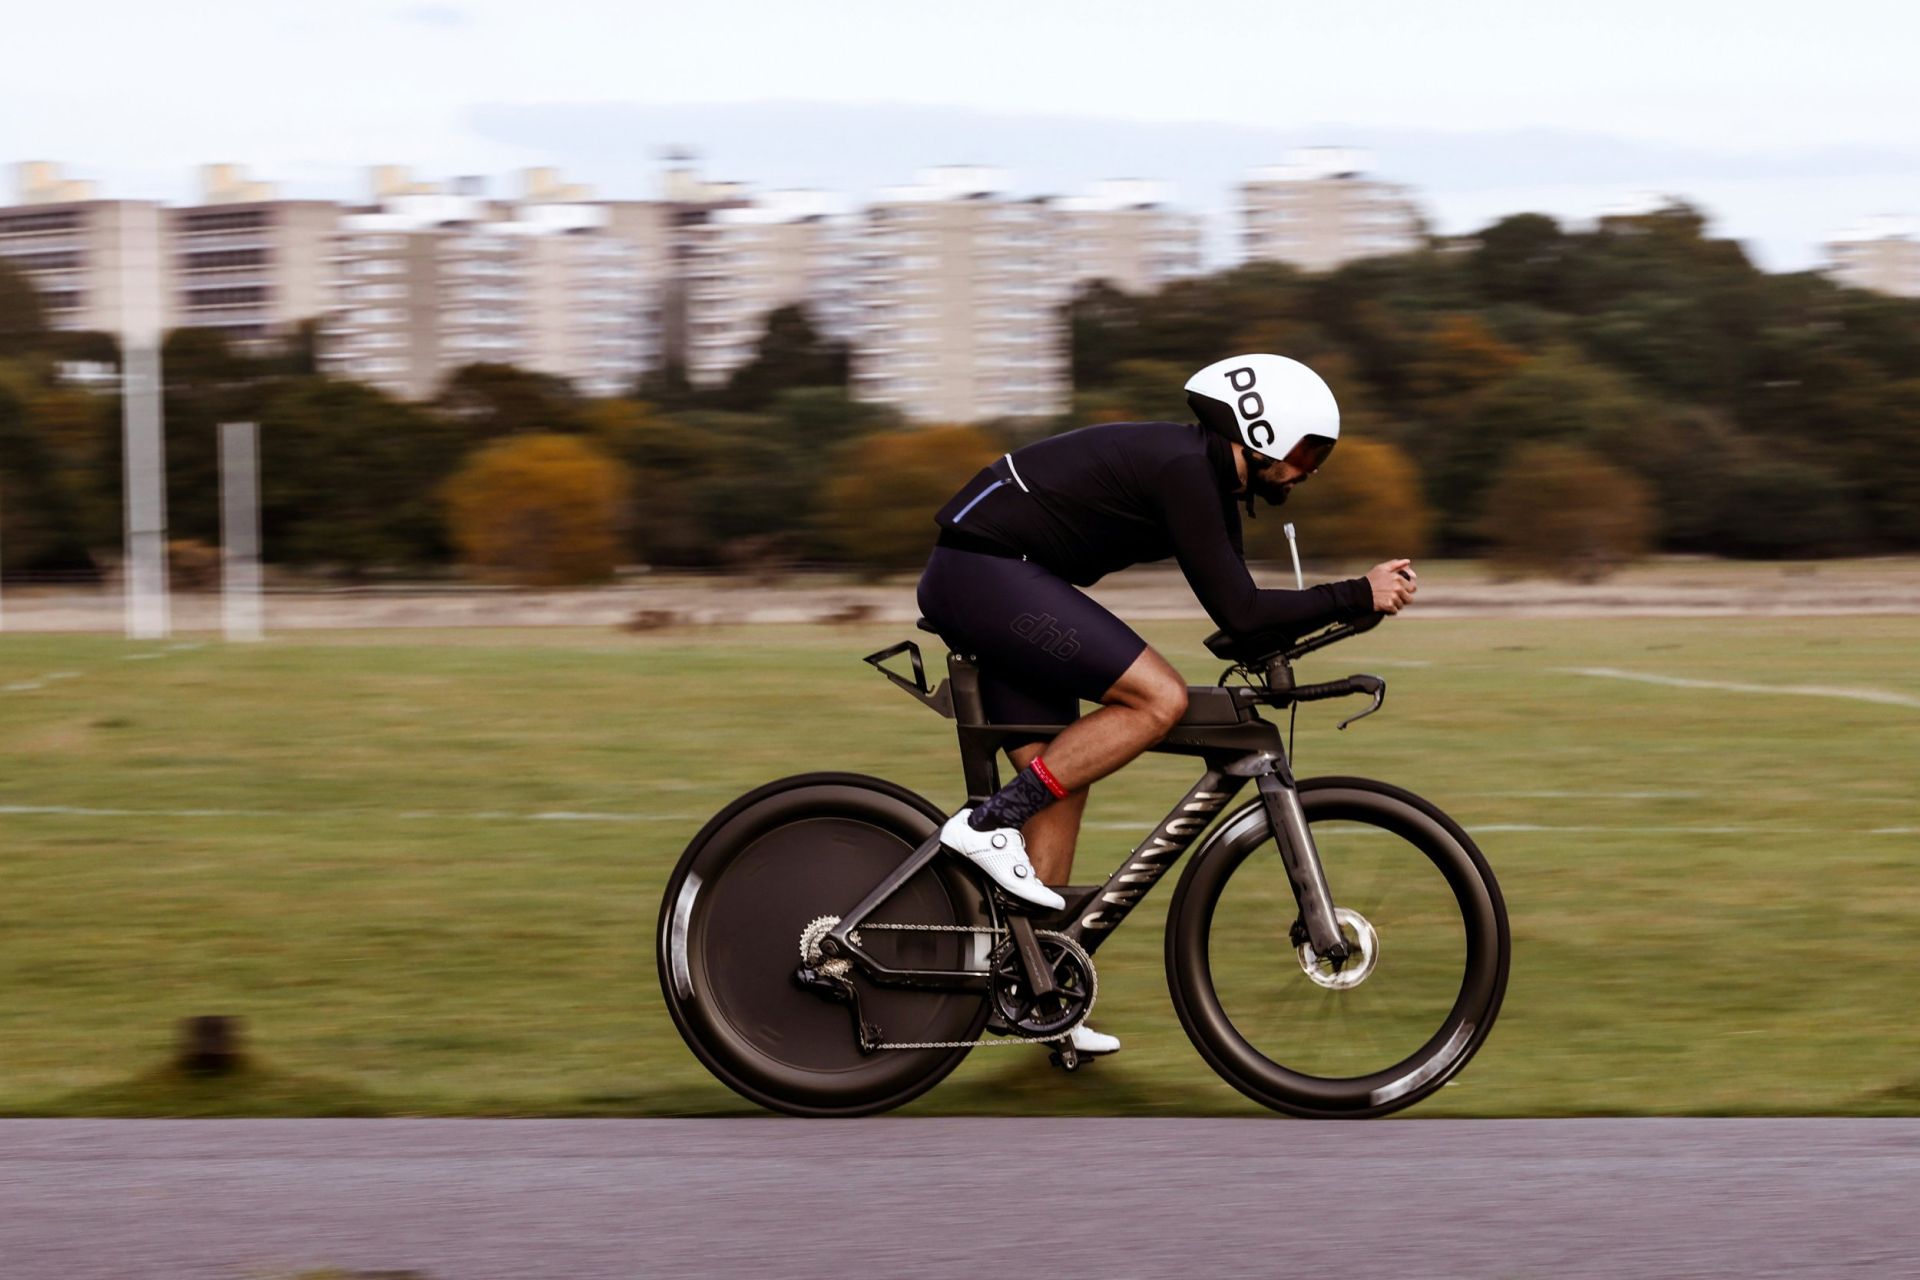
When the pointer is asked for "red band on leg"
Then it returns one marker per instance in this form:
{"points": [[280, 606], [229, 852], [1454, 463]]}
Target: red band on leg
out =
{"points": [[1045, 775]]}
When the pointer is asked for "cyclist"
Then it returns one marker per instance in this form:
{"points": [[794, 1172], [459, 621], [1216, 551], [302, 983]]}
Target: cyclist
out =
{"points": [[1019, 538]]}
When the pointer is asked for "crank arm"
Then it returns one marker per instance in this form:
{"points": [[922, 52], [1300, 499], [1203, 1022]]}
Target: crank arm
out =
{"points": [[1038, 972]]}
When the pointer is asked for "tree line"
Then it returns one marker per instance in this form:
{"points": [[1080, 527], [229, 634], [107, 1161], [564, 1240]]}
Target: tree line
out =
{"points": [[1557, 399]]}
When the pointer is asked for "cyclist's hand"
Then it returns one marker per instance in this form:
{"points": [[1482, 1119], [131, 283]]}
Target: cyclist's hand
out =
{"points": [[1393, 583]]}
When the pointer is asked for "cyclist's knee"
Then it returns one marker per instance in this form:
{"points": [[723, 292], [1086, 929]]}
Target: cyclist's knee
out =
{"points": [[1169, 705], [1152, 686]]}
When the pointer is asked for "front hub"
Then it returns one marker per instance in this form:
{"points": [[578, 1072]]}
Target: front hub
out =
{"points": [[1363, 942]]}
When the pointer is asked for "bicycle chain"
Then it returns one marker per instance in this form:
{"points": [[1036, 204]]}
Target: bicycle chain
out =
{"points": [[987, 1041]]}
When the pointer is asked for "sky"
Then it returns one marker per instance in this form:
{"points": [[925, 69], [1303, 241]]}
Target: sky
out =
{"points": [[1786, 122]]}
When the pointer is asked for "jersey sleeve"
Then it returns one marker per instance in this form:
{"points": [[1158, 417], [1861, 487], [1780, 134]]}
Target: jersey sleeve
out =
{"points": [[1197, 526]]}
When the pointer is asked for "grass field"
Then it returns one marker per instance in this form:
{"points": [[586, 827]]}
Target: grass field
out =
{"points": [[424, 866]]}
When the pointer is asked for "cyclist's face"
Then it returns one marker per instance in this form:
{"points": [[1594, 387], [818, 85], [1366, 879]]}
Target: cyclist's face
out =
{"points": [[1272, 480]]}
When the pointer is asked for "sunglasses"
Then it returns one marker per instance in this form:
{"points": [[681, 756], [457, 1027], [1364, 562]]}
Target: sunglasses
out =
{"points": [[1310, 453]]}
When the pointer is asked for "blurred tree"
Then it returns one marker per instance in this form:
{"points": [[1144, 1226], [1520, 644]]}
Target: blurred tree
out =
{"points": [[616, 424], [1776, 508], [671, 462], [1687, 459], [539, 509], [80, 434], [791, 354], [820, 419], [205, 382], [1366, 503], [490, 400], [1522, 258], [1136, 391], [1561, 509], [1457, 358], [1559, 396], [23, 321], [667, 388], [349, 478], [42, 519], [880, 503]]}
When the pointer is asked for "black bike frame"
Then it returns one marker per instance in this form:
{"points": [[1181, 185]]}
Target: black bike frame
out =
{"points": [[1221, 727]]}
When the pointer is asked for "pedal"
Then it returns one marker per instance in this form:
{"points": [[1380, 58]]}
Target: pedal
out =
{"points": [[1066, 1057]]}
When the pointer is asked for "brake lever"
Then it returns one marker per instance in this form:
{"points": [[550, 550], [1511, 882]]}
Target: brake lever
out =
{"points": [[1376, 686]]}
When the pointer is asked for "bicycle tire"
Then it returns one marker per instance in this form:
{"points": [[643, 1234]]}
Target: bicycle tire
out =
{"points": [[1486, 947], [798, 848]]}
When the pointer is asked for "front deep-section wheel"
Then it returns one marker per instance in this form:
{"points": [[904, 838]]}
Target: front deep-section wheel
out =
{"points": [[1396, 1021], [766, 867]]}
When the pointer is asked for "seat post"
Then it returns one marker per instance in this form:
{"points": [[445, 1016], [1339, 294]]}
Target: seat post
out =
{"points": [[977, 764]]}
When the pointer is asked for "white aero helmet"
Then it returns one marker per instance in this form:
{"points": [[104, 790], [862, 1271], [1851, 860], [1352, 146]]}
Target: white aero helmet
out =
{"points": [[1276, 407]]}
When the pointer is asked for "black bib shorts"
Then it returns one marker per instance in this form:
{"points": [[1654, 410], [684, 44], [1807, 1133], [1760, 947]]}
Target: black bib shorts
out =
{"points": [[1043, 647]]}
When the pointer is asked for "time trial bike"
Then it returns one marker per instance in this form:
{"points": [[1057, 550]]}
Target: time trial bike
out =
{"points": [[1338, 947]]}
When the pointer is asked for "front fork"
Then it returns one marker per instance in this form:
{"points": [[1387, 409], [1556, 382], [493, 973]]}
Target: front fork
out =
{"points": [[1302, 861]]}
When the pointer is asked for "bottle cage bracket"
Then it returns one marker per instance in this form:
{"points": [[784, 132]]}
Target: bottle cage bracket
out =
{"points": [[938, 697]]}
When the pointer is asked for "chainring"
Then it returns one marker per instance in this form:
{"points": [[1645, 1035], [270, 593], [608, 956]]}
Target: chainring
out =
{"points": [[1057, 1013]]}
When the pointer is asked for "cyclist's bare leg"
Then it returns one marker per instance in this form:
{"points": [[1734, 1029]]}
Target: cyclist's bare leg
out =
{"points": [[1143, 704], [1052, 833]]}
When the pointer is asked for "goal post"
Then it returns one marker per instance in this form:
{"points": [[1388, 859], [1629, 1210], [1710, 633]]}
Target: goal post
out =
{"points": [[240, 611]]}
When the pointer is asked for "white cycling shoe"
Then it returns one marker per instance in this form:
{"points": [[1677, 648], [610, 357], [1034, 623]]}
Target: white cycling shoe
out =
{"points": [[1086, 1042], [1089, 1043], [1002, 854]]}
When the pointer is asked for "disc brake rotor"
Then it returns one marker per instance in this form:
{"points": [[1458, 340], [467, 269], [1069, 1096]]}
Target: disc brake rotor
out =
{"points": [[1358, 931]]}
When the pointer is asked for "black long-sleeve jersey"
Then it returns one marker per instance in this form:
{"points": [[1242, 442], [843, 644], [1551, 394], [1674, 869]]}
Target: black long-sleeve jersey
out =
{"points": [[1091, 501]]}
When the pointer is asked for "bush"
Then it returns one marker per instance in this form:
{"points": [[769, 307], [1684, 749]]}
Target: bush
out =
{"points": [[879, 508], [192, 565], [1364, 504], [1775, 507], [542, 509], [1563, 510]]}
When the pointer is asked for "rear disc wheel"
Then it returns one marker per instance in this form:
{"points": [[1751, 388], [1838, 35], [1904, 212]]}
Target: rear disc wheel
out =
{"points": [[736, 908]]}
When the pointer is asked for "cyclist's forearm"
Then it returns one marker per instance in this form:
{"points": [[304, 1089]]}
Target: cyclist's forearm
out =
{"points": [[1243, 608]]}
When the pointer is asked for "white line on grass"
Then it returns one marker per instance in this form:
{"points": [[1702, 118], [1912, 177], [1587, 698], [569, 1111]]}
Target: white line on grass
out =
{"points": [[1590, 795], [1881, 696]]}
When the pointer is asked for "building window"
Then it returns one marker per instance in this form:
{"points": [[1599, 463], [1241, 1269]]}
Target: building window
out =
{"points": [[233, 297], [35, 223], [224, 220], [42, 261], [212, 259]]}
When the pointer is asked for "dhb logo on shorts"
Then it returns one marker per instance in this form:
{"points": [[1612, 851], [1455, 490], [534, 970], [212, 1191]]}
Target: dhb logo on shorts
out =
{"points": [[1040, 629]]}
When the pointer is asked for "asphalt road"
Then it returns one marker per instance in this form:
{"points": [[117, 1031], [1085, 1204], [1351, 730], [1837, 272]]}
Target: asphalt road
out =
{"points": [[476, 1200]]}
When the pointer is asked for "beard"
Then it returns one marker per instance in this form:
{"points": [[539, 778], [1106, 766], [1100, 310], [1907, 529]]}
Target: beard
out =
{"points": [[1268, 486]]}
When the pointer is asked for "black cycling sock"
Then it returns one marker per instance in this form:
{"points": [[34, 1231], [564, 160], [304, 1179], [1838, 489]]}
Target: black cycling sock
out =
{"points": [[1014, 803]]}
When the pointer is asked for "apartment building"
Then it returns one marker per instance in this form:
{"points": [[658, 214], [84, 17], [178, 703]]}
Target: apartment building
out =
{"points": [[747, 261], [245, 262], [96, 264], [1881, 254], [1124, 233], [427, 281], [1319, 211], [957, 292]]}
